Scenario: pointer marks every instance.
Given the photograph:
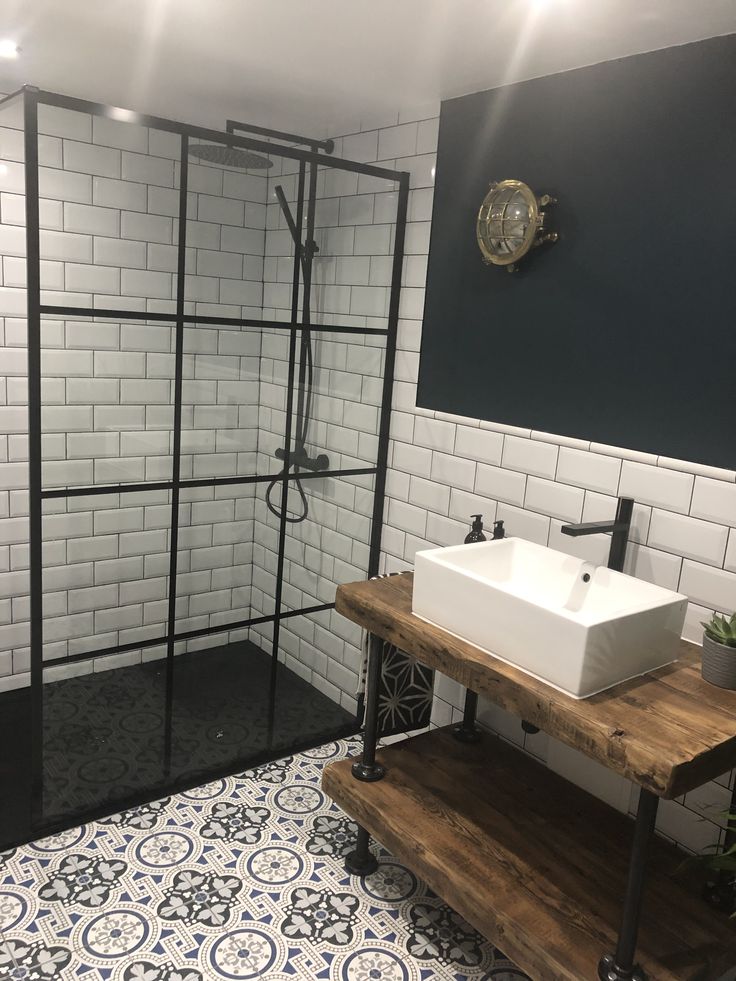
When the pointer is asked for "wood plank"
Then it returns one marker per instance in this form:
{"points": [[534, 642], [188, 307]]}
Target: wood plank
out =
{"points": [[534, 863], [668, 731]]}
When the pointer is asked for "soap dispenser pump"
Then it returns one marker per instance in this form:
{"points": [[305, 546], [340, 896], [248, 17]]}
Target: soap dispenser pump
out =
{"points": [[476, 532]]}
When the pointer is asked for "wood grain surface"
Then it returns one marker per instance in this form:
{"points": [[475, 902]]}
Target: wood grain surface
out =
{"points": [[668, 731], [533, 862]]}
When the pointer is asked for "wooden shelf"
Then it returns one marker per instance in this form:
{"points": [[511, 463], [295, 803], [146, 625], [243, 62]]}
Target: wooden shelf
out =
{"points": [[669, 731], [535, 864]]}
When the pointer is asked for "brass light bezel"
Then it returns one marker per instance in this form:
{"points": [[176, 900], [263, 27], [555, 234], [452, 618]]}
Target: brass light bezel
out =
{"points": [[534, 234]]}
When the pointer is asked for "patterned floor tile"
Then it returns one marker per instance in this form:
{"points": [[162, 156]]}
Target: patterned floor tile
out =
{"points": [[239, 878]]}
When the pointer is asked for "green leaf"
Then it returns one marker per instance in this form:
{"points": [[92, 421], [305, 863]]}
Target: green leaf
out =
{"points": [[721, 630], [725, 863]]}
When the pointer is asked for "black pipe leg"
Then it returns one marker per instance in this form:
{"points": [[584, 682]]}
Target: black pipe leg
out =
{"points": [[366, 768], [361, 861], [620, 966], [468, 731]]}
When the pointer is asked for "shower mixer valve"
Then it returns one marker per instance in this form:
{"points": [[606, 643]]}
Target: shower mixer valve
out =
{"points": [[300, 458]]}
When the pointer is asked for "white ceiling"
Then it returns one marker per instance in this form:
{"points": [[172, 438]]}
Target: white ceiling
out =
{"points": [[320, 65]]}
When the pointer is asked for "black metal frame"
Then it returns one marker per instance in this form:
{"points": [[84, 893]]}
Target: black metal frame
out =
{"points": [[361, 861], [233, 126], [621, 966], [312, 158], [618, 966]]}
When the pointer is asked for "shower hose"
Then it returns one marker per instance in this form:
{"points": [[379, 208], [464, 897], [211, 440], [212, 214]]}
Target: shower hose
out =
{"points": [[304, 411]]}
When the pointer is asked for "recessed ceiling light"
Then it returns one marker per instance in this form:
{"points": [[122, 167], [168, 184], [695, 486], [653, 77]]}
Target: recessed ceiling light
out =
{"points": [[9, 49]]}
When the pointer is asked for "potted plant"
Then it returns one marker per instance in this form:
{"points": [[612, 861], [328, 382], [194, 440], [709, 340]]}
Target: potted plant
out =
{"points": [[719, 651], [720, 888]]}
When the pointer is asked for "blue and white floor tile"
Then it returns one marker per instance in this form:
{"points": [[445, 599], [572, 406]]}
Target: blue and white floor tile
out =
{"points": [[240, 878]]}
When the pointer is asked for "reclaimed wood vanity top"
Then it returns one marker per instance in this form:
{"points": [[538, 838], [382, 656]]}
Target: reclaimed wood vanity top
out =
{"points": [[668, 731]]}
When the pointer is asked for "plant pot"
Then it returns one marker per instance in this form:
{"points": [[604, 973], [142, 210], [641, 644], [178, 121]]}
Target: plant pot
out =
{"points": [[719, 664]]}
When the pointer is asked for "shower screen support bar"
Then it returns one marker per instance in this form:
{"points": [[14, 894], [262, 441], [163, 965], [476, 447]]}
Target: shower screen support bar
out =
{"points": [[176, 455], [35, 457], [233, 126]]}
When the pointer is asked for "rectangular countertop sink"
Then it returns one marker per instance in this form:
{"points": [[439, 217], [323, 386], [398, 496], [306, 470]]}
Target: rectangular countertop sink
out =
{"points": [[579, 627]]}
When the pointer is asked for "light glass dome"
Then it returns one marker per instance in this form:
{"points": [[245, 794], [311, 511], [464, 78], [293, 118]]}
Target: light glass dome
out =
{"points": [[509, 222]]}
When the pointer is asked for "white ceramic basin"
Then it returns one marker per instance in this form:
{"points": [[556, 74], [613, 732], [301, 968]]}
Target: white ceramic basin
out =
{"points": [[574, 625]]}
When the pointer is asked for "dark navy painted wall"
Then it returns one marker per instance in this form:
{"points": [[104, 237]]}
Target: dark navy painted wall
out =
{"points": [[624, 332]]}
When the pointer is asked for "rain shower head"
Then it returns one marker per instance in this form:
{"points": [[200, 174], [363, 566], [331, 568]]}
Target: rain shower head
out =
{"points": [[228, 156]]}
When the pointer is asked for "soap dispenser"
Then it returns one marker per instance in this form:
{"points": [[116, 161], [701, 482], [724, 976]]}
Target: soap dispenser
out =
{"points": [[476, 532]]}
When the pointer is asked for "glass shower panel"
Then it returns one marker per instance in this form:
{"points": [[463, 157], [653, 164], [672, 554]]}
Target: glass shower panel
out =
{"points": [[12, 230], [107, 391], [254, 673], [274, 377], [266, 523], [226, 230], [221, 410], [220, 711], [331, 544], [105, 571], [221, 689], [214, 583], [281, 212], [105, 581], [116, 189], [104, 738], [355, 225], [316, 684], [337, 401]]}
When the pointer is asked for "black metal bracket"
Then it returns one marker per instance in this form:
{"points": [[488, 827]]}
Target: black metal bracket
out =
{"points": [[306, 250], [608, 971], [367, 769], [465, 735], [361, 861], [468, 731], [326, 145], [368, 772]]}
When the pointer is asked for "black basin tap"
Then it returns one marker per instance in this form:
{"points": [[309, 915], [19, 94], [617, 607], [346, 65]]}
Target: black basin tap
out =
{"points": [[619, 527]]}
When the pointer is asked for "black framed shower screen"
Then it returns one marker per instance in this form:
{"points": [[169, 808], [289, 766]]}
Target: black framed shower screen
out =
{"points": [[178, 319]]}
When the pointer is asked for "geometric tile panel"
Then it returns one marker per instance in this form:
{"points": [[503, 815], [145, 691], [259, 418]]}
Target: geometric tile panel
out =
{"points": [[239, 878]]}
